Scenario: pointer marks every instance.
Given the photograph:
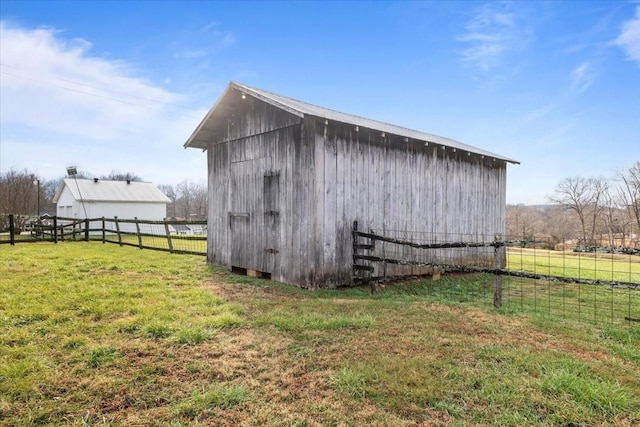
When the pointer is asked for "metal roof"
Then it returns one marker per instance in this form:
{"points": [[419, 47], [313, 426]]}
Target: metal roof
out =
{"points": [[89, 190], [301, 109]]}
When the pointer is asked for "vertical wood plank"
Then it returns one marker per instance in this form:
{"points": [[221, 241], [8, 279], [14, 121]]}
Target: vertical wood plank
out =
{"points": [[115, 218], [135, 220], [168, 234]]}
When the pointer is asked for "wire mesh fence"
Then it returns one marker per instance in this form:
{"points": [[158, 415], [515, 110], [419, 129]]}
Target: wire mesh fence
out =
{"points": [[601, 285]]}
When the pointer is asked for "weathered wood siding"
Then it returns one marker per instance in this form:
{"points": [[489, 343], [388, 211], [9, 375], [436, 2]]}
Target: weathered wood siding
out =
{"points": [[403, 189], [238, 157], [284, 192], [262, 210]]}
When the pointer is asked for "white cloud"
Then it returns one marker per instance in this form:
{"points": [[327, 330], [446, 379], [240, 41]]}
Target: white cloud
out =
{"points": [[540, 113], [227, 40], [490, 34], [191, 53], [61, 104], [210, 39], [629, 38], [582, 77]]}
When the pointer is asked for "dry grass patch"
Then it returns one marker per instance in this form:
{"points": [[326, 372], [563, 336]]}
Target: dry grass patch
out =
{"points": [[422, 362]]}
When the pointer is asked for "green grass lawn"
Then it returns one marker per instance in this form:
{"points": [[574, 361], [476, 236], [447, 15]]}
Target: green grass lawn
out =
{"points": [[597, 304], [590, 266], [102, 335]]}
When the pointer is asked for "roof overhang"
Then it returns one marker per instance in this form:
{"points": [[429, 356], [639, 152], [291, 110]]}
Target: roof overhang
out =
{"points": [[212, 126], [216, 117]]}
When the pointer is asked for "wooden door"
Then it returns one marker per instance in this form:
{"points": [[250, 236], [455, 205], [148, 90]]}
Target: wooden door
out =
{"points": [[254, 215]]}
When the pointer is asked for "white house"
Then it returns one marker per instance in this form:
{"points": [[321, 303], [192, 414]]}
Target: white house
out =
{"points": [[94, 198]]}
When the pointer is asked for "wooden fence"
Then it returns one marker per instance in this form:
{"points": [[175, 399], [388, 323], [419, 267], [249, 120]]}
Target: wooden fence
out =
{"points": [[182, 237]]}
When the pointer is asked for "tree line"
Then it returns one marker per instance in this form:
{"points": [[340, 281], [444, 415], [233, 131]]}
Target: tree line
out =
{"points": [[24, 192], [596, 211]]}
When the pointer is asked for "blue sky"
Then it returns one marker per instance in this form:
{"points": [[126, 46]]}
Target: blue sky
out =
{"points": [[117, 85]]}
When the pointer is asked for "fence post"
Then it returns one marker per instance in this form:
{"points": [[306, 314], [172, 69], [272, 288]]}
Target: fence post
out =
{"points": [[104, 234], [12, 230], [135, 218], [118, 230], [354, 242], [169, 242], [499, 254], [86, 229], [55, 229]]}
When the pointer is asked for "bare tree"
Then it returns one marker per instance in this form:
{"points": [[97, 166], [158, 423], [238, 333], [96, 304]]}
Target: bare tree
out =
{"points": [[599, 189], [611, 217], [171, 193], [18, 192], [200, 201], [629, 191], [580, 195], [523, 222], [191, 200], [48, 190], [184, 189], [116, 175], [560, 224]]}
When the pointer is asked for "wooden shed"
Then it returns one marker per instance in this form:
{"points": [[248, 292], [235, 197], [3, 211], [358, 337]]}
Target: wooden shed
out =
{"points": [[287, 180]]}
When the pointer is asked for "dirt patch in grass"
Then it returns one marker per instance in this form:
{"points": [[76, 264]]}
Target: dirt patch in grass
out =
{"points": [[477, 325], [245, 292], [290, 376], [415, 336]]}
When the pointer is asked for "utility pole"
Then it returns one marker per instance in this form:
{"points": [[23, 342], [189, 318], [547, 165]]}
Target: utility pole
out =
{"points": [[37, 183]]}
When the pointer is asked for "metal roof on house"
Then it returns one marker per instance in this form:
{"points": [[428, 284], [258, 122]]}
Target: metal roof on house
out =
{"points": [[89, 190], [302, 109]]}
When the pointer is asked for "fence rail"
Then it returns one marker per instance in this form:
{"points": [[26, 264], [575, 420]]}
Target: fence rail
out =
{"points": [[601, 286], [181, 237]]}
